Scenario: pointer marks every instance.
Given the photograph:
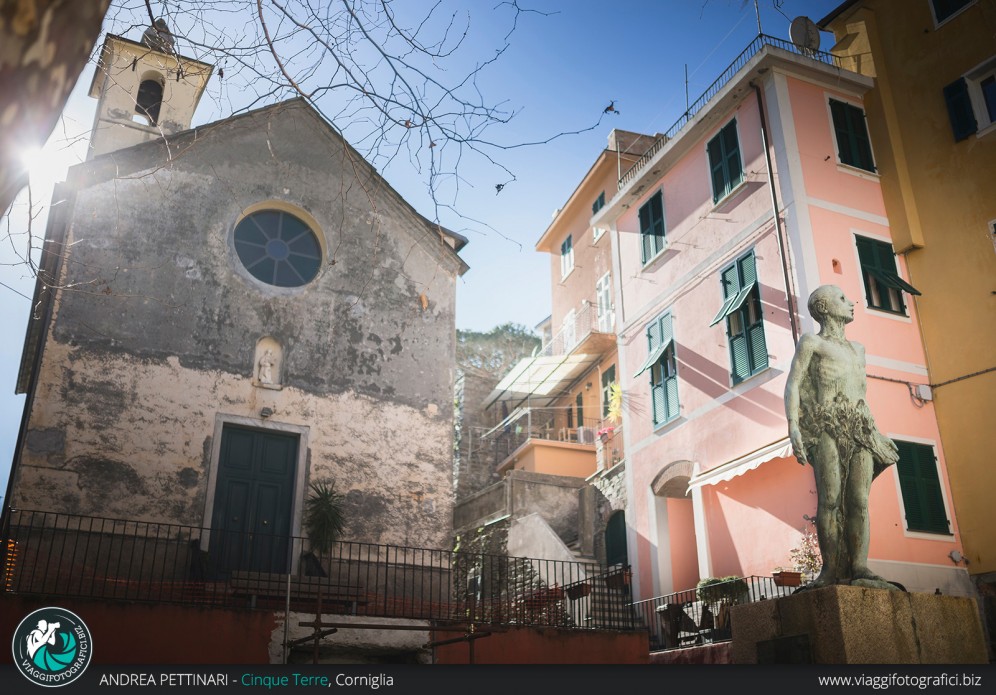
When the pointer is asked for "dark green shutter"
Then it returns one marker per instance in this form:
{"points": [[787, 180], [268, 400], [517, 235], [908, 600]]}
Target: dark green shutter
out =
{"points": [[921, 489], [715, 149], [608, 377], [758, 348], [854, 147], [734, 171], [671, 396], [960, 110], [645, 235]]}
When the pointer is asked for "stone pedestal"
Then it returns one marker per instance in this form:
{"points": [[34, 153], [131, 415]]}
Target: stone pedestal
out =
{"points": [[854, 625]]}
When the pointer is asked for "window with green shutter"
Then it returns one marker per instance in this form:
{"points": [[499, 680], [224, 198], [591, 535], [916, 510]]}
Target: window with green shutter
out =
{"points": [[724, 161], [921, 489], [566, 256], [851, 131], [608, 378], [663, 369], [599, 203], [652, 227], [883, 286], [744, 319]]}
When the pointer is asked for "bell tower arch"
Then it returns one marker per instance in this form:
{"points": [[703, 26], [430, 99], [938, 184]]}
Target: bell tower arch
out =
{"points": [[144, 90]]}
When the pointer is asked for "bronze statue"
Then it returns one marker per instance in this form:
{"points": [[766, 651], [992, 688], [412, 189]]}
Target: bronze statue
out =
{"points": [[832, 429]]}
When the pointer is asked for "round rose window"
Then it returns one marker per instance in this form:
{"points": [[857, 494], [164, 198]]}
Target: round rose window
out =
{"points": [[277, 248]]}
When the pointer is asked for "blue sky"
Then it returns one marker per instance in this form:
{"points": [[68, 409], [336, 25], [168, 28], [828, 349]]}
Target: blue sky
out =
{"points": [[561, 70]]}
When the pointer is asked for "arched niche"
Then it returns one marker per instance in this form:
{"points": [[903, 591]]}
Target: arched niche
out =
{"points": [[268, 363]]}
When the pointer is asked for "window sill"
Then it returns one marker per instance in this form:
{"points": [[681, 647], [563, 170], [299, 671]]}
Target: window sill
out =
{"points": [[851, 170], [755, 379], [943, 536], [566, 275], [727, 199], [656, 258], [988, 130], [671, 424], [886, 314]]}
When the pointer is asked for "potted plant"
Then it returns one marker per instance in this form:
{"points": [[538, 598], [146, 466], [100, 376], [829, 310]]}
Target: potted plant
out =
{"points": [[619, 578], [786, 577], [728, 590], [579, 590], [324, 518]]}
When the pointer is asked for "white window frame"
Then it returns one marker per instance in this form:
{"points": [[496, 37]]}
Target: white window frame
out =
{"points": [[566, 259], [973, 78], [841, 166], [933, 13], [603, 298]]}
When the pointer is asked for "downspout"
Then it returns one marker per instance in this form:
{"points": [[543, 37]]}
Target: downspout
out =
{"points": [[780, 231]]}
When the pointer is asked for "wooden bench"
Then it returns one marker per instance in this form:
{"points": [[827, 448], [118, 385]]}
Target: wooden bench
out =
{"points": [[267, 585]]}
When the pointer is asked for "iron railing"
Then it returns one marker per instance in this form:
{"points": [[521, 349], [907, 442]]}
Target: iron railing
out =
{"points": [[63, 555], [586, 322], [739, 62], [701, 616]]}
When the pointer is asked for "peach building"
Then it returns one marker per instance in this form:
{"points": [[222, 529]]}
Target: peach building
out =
{"points": [[932, 115], [766, 190]]}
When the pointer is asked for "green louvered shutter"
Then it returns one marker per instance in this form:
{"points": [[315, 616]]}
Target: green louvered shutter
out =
{"points": [[716, 165], [921, 489], [731, 147], [861, 142], [839, 115], [960, 111], [671, 396], [645, 235]]}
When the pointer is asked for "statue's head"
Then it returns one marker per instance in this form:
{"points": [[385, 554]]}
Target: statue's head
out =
{"points": [[828, 301]]}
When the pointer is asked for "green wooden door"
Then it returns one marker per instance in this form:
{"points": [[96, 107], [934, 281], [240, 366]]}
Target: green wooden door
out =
{"points": [[615, 540], [251, 523]]}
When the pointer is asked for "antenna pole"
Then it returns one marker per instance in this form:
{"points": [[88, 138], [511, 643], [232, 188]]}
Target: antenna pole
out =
{"points": [[757, 13], [686, 88]]}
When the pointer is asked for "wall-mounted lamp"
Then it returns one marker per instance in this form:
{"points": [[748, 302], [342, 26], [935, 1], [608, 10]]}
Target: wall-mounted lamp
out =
{"points": [[957, 557], [587, 387], [266, 412]]}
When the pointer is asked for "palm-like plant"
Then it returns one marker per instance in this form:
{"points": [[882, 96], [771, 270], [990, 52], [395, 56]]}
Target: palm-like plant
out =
{"points": [[324, 517]]}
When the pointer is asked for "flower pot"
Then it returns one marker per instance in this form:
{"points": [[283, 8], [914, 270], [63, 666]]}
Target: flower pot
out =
{"points": [[785, 578], [618, 580], [576, 591]]}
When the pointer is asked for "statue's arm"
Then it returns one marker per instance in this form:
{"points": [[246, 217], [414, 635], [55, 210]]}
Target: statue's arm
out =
{"points": [[793, 388]]}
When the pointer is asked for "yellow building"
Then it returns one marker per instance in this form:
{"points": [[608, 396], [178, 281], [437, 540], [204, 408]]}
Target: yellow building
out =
{"points": [[932, 122]]}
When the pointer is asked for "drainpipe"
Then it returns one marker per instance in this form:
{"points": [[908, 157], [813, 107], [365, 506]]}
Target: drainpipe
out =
{"points": [[782, 251]]}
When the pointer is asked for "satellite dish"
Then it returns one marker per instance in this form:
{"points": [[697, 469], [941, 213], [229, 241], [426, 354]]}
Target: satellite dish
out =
{"points": [[805, 34]]}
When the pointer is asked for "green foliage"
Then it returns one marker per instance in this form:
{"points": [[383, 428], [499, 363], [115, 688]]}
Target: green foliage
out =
{"points": [[721, 589], [496, 351], [324, 517]]}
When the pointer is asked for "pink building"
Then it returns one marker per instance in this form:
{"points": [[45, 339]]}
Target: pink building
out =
{"points": [[720, 232]]}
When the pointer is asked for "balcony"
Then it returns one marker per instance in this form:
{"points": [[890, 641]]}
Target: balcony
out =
{"points": [[539, 381], [541, 440], [62, 555]]}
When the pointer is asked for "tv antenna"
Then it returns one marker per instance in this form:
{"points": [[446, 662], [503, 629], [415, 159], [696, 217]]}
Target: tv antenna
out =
{"points": [[805, 35]]}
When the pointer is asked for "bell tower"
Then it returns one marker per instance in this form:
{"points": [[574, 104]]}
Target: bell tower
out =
{"points": [[144, 91]]}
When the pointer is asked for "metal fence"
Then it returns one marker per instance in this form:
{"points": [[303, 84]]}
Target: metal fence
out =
{"points": [[739, 62], [62, 555], [702, 616]]}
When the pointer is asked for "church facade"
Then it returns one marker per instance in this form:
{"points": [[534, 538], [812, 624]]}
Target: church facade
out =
{"points": [[230, 313]]}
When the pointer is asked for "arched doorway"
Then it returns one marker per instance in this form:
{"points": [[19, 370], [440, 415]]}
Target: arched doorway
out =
{"points": [[615, 540], [677, 553]]}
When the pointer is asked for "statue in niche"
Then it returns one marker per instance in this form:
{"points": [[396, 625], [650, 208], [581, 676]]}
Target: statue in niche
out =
{"points": [[832, 429], [266, 363]]}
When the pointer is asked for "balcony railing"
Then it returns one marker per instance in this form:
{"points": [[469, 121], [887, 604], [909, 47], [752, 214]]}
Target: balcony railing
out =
{"points": [[586, 323], [740, 61], [62, 555], [701, 616]]}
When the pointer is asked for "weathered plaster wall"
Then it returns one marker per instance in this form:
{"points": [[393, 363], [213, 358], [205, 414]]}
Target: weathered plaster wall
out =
{"points": [[155, 340]]}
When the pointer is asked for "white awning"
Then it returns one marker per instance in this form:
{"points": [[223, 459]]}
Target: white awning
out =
{"points": [[541, 379], [731, 469]]}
